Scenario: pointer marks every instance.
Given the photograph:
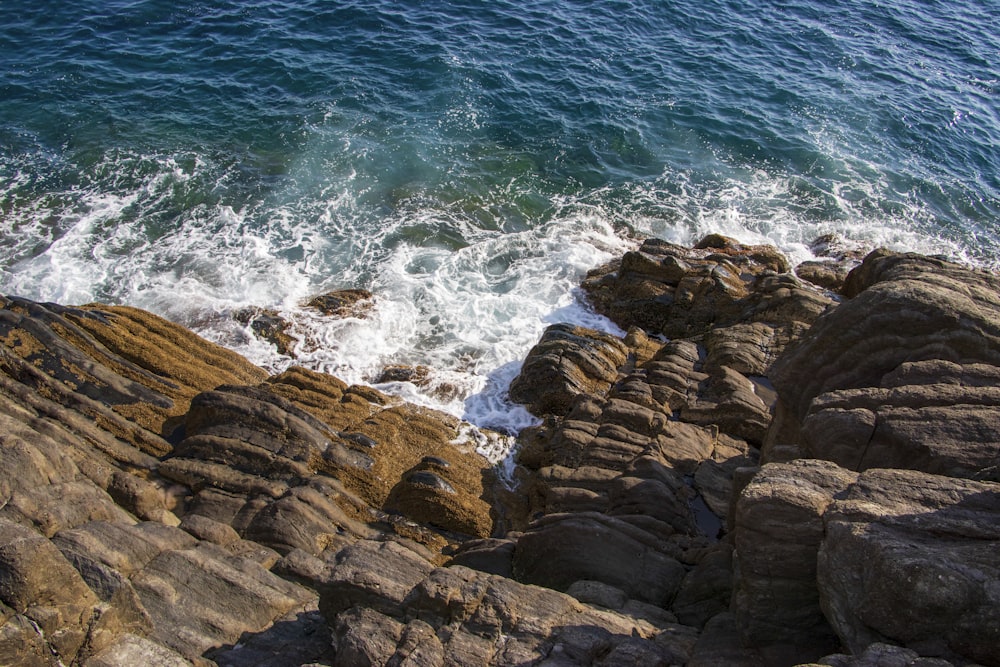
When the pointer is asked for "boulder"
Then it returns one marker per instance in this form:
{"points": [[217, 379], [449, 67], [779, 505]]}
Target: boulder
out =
{"points": [[343, 303], [268, 325], [903, 373], [567, 362], [912, 559]]}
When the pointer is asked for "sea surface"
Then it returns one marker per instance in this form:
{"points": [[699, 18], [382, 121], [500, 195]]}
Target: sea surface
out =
{"points": [[469, 161]]}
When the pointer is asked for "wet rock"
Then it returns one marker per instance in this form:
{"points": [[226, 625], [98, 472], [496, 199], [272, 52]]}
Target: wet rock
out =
{"points": [[268, 325], [344, 303], [567, 362], [418, 375]]}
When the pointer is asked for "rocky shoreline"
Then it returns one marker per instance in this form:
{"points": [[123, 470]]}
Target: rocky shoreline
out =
{"points": [[773, 467]]}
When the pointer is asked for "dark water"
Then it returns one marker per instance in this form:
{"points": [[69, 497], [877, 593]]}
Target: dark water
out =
{"points": [[468, 161]]}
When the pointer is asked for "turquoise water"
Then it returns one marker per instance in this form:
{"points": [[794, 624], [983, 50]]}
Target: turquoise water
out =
{"points": [[469, 161]]}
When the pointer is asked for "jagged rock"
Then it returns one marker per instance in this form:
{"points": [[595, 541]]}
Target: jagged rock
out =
{"points": [[567, 362], [458, 616], [913, 559], [683, 292], [344, 303], [268, 325], [902, 374]]}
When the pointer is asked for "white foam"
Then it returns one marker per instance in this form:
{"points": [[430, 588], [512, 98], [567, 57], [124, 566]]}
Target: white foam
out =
{"points": [[469, 307]]}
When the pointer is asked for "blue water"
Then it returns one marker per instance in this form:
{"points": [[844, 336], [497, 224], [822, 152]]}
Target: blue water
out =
{"points": [[469, 161]]}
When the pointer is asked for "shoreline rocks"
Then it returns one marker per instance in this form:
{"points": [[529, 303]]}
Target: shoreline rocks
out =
{"points": [[763, 471]]}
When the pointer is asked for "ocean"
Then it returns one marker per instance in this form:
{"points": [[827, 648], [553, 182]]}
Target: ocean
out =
{"points": [[467, 162]]}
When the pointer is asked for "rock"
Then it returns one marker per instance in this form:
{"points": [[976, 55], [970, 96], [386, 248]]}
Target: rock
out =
{"points": [[720, 644], [562, 550], [431, 494], [882, 655], [778, 531], [902, 374], [567, 362], [706, 590], [489, 555], [268, 325], [365, 637], [39, 588], [374, 575], [681, 293], [912, 558], [184, 592], [458, 616], [137, 650], [827, 274], [344, 303], [418, 375]]}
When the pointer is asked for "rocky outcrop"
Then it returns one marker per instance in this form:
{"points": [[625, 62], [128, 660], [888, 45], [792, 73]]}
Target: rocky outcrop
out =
{"points": [[829, 557], [896, 384], [162, 498], [390, 606], [760, 472], [902, 375], [628, 481]]}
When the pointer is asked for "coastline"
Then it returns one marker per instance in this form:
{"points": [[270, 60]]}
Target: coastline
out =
{"points": [[165, 498]]}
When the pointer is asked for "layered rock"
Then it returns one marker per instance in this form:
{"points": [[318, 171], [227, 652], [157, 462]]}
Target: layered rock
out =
{"points": [[897, 384], [628, 481], [154, 485], [904, 374], [166, 502], [829, 556], [390, 606]]}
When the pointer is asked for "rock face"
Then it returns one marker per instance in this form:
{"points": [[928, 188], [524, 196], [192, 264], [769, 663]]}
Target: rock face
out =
{"points": [[155, 485], [897, 383], [902, 375], [629, 478], [760, 472]]}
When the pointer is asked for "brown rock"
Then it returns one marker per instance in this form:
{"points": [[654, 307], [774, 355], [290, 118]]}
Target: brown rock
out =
{"points": [[563, 549], [778, 530], [902, 374], [344, 303], [568, 361], [268, 325], [912, 558]]}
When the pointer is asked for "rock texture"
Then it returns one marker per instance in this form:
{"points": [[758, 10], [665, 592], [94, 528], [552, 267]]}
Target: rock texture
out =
{"points": [[907, 370], [162, 498], [761, 472], [896, 384]]}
